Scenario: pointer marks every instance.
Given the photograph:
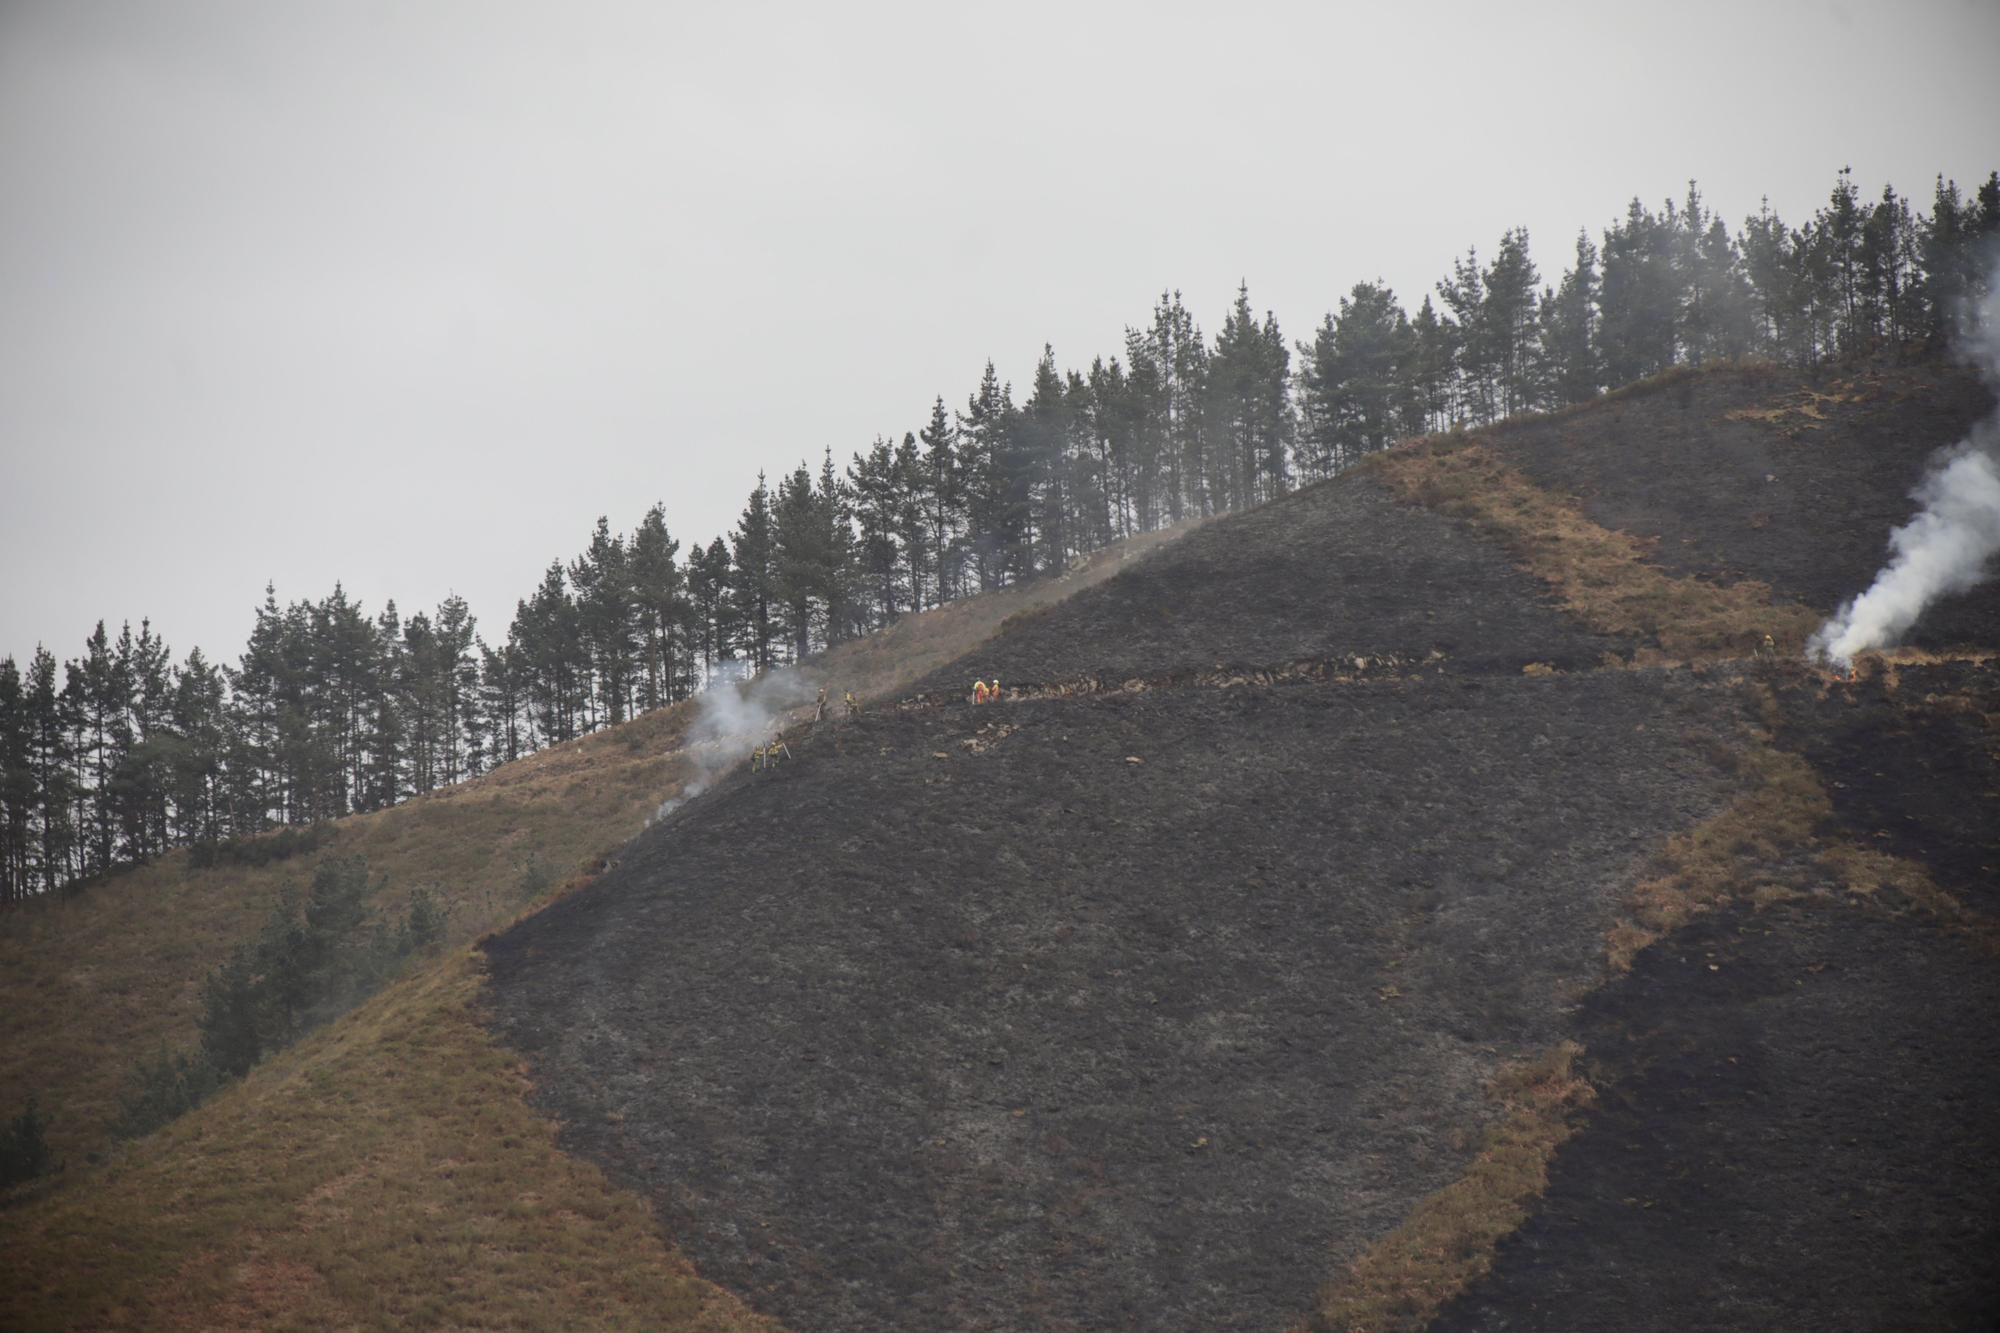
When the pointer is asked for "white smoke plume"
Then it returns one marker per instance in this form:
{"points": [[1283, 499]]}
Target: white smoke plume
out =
{"points": [[1950, 545], [733, 716]]}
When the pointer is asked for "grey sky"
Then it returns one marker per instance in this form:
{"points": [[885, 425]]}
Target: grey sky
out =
{"points": [[406, 295]]}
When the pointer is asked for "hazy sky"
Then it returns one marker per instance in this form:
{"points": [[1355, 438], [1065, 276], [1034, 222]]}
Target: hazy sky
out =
{"points": [[406, 295]]}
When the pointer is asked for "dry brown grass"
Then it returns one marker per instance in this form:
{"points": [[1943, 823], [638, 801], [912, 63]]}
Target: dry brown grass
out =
{"points": [[1447, 1241], [1602, 576], [1892, 882], [1741, 852], [387, 1171], [1804, 408], [886, 662], [94, 982]]}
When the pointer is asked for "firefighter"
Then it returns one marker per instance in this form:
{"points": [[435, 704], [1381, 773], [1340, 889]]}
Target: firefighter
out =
{"points": [[853, 705], [819, 706], [993, 691], [978, 691], [1768, 648]]}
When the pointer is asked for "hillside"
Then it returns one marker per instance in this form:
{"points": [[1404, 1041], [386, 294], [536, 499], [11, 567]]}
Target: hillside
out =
{"points": [[1405, 904], [96, 981], [1207, 969]]}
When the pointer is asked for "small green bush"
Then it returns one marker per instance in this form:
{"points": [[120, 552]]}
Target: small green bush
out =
{"points": [[260, 850], [162, 1089], [24, 1148]]}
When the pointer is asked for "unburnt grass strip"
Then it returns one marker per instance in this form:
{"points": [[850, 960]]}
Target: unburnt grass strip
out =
{"points": [[1602, 576], [1448, 1239], [1749, 849]]}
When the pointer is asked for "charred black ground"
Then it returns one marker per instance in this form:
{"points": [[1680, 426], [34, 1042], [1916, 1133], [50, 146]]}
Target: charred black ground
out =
{"points": [[1797, 1131], [1043, 1037], [1764, 474], [1152, 1007], [1339, 569]]}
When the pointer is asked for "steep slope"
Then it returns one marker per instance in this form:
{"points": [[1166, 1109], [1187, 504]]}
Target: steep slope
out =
{"points": [[1765, 473], [916, 1029], [96, 980], [1204, 969], [1342, 569]]}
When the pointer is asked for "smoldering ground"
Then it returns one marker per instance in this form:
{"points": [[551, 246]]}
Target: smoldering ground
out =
{"points": [[1950, 545], [735, 714]]}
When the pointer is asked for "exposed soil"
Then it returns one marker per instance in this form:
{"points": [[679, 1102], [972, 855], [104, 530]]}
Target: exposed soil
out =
{"points": [[1800, 488], [1341, 568], [1036, 1036]]}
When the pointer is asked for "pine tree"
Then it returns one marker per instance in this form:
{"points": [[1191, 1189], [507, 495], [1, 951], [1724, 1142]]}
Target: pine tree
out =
{"points": [[945, 500], [799, 558], [1569, 330], [753, 576], [1356, 383], [17, 786], [1637, 325], [662, 604], [605, 606], [200, 720], [1042, 440], [1179, 363], [1432, 342], [1474, 373], [710, 578], [994, 482], [877, 485], [912, 519], [51, 759], [1509, 322]]}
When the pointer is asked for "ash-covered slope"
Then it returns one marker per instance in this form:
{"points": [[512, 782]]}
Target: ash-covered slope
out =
{"points": [[1338, 569], [1142, 1009], [920, 1035], [1156, 1006], [1770, 474]]}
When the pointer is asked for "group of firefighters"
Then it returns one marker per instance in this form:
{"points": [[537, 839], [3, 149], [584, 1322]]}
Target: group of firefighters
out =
{"points": [[764, 756]]}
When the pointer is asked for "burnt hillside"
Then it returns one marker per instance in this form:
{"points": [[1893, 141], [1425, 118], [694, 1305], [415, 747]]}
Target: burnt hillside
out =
{"points": [[1792, 479], [1177, 992]]}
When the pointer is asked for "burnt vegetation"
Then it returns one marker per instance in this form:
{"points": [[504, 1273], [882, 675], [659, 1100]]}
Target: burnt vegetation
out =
{"points": [[1215, 979], [121, 754], [1406, 899]]}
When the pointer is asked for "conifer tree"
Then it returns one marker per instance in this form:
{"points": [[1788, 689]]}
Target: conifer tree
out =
{"points": [[17, 787], [876, 482], [753, 576], [709, 583], [1569, 330], [662, 604], [911, 519], [1508, 324], [993, 481], [944, 496]]}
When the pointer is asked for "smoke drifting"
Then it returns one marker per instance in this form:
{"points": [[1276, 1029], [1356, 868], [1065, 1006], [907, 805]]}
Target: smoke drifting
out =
{"points": [[1950, 545], [733, 717]]}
